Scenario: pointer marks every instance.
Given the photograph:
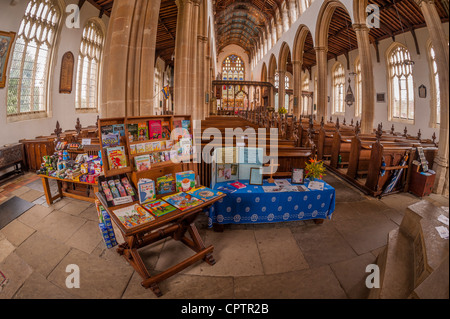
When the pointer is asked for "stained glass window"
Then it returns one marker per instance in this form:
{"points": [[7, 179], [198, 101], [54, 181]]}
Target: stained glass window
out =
{"points": [[358, 88], [435, 89], [338, 88]]}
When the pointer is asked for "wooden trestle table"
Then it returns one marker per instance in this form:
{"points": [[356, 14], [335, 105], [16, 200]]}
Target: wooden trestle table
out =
{"points": [[175, 224]]}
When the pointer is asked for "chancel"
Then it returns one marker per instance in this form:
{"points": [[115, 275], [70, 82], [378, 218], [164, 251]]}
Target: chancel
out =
{"points": [[200, 149]]}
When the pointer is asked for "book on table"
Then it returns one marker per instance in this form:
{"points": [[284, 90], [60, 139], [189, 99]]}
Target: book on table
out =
{"points": [[159, 207], [183, 201], [116, 157], [146, 190], [133, 215], [204, 193]]}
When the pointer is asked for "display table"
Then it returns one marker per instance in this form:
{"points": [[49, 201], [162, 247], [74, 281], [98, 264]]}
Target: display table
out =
{"points": [[252, 205], [175, 224], [69, 188]]}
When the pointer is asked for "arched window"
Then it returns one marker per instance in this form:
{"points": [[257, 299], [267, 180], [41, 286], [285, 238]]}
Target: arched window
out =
{"points": [[31, 60], [338, 75], [358, 88], [401, 86], [315, 93], [88, 69], [157, 88], [234, 67], [305, 100], [435, 117], [286, 86]]}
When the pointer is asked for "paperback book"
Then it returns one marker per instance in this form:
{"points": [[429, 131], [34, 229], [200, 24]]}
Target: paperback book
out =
{"points": [[204, 193], [165, 184], [142, 131], [165, 132], [228, 190], [182, 201], [142, 162], [119, 129], [185, 181], [133, 132], [110, 139], [146, 190], [154, 129], [238, 185], [159, 208], [116, 157], [133, 215]]}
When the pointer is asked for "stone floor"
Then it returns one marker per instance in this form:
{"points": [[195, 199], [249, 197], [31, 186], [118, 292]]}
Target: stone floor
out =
{"points": [[295, 260]]}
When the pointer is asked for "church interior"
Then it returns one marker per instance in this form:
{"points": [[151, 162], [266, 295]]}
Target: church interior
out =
{"points": [[224, 149]]}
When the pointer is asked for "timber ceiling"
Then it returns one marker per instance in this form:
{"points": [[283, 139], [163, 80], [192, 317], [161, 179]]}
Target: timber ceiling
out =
{"points": [[242, 22]]}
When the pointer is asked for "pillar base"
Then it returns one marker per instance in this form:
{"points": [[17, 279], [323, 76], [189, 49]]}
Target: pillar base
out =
{"points": [[441, 184]]}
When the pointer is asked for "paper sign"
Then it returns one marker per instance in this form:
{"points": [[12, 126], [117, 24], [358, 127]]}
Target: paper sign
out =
{"points": [[316, 185], [443, 231], [86, 141], [443, 219]]}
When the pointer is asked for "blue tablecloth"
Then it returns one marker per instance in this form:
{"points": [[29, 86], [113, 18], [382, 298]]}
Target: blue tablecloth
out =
{"points": [[252, 205]]}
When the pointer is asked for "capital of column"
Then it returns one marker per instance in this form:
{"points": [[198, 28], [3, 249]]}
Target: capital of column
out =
{"points": [[318, 49], [296, 62], [281, 71], [360, 27], [420, 2]]}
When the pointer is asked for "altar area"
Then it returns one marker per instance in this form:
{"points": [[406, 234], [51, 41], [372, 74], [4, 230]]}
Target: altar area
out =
{"points": [[252, 205]]}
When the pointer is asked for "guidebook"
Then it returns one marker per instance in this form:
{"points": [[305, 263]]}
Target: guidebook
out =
{"points": [[133, 215], [204, 193], [182, 201], [159, 208], [154, 129]]}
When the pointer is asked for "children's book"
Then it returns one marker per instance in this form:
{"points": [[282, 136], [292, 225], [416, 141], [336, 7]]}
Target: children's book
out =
{"points": [[142, 162], [182, 201], [140, 148], [119, 129], [142, 131], [133, 215], [165, 184], [146, 190], [159, 208], [186, 124], [107, 129], [165, 130], [169, 144], [154, 129], [116, 157], [185, 181], [156, 146], [238, 185], [133, 132], [110, 140], [132, 149], [148, 147], [228, 190], [177, 124], [204, 193]]}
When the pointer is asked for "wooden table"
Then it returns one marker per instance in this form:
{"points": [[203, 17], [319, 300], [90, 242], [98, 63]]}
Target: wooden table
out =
{"points": [[64, 189], [175, 224]]}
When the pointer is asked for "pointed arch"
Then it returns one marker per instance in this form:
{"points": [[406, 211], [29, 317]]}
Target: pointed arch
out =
{"points": [[299, 42], [264, 73], [272, 68], [283, 56]]}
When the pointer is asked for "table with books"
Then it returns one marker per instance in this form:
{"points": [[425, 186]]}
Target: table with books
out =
{"points": [[169, 216], [272, 202]]}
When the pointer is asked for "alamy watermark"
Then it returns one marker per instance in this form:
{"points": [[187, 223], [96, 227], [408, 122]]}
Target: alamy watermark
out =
{"points": [[73, 279]]}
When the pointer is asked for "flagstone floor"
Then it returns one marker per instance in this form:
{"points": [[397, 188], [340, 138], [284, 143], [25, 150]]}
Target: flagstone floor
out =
{"points": [[292, 260]]}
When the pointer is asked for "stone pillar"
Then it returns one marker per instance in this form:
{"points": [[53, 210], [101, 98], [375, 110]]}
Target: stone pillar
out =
{"points": [[440, 46], [130, 47], [368, 86], [322, 82], [281, 88], [182, 56], [297, 66]]}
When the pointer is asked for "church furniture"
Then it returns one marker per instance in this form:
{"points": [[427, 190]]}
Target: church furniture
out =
{"points": [[175, 225], [36, 149], [421, 183], [68, 188], [251, 205], [12, 155]]}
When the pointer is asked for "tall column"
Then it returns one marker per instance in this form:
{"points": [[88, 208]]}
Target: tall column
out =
{"points": [[281, 89], [193, 81], [368, 86], [440, 46], [182, 56], [322, 81], [129, 49], [297, 66]]}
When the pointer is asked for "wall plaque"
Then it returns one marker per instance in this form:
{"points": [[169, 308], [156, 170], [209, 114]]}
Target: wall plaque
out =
{"points": [[65, 80]]}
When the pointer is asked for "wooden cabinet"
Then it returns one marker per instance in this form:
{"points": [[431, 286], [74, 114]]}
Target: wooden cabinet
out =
{"points": [[421, 185], [12, 155]]}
